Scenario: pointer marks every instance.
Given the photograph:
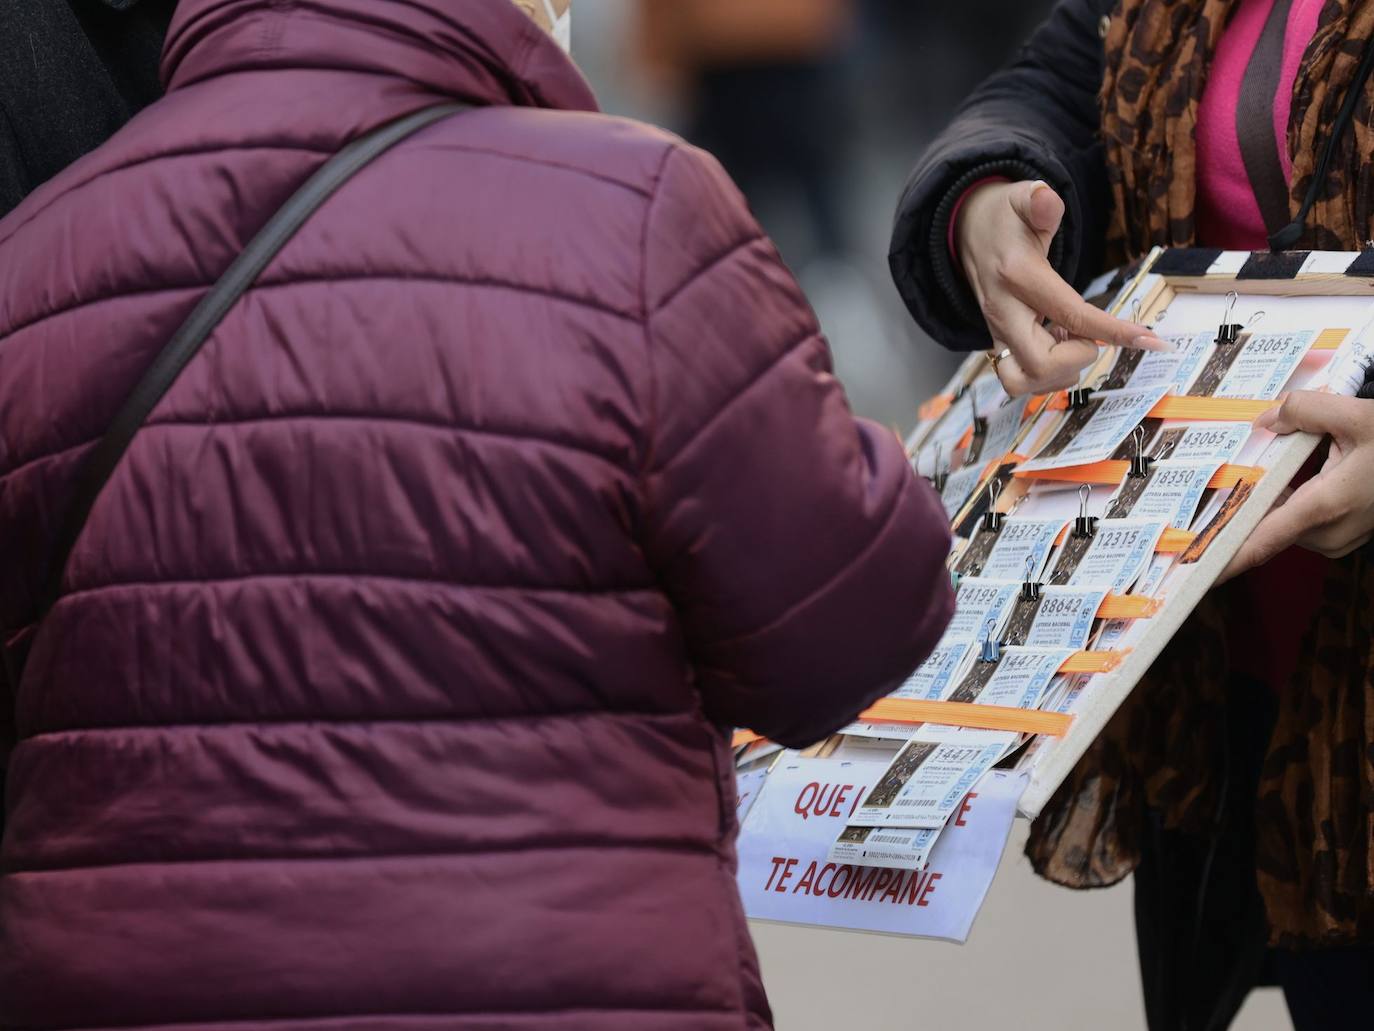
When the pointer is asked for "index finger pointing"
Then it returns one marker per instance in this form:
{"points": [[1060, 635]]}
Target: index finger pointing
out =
{"points": [[1042, 289]]}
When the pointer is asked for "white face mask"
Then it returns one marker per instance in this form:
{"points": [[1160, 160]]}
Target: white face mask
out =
{"points": [[562, 26]]}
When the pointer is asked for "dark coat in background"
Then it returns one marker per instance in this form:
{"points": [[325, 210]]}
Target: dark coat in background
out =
{"points": [[387, 685], [71, 73]]}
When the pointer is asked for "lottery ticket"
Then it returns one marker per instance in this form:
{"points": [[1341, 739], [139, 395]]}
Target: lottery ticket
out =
{"points": [[1022, 543], [1093, 433], [979, 600], [926, 780], [959, 487], [898, 847], [1171, 492], [1118, 553], [1170, 369], [1064, 617], [935, 678], [1264, 365], [1018, 679], [1003, 423], [1203, 442]]}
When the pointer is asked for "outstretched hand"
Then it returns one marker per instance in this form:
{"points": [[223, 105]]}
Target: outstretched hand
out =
{"points": [[1003, 235], [1332, 513]]}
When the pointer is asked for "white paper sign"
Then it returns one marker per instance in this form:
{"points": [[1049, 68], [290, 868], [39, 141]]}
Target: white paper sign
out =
{"points": [[1265, 365], [785, 875], [929, 777], [1064, 618], [1022, 540], [1116, 413], [1120, 550]]}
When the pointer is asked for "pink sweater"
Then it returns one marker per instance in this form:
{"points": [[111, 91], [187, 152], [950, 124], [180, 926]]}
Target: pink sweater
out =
{"points": [[1228, 215]]}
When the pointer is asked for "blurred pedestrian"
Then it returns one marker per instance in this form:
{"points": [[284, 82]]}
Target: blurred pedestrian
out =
{"points": [[389, 682], [765, 90]]}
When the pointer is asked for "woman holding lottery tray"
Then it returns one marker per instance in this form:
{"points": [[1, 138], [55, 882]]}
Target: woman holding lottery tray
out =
{"points": [[1238, 783]]}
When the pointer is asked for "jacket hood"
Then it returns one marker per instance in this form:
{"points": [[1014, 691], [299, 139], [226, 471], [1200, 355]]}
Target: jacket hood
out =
{"points": [[482, 51]]}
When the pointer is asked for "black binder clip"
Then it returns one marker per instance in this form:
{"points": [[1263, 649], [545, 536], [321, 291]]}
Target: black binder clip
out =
{"points": [[992, 648], [1141, 463], [1079, 397], [980, 422], [1030, 589], [1085, 525], [1229, 332], [940, 477], [993, 519]]}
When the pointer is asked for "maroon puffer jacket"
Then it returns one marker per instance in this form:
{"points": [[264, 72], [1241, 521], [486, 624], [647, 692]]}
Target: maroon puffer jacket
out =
{"points": [[386, 685]]}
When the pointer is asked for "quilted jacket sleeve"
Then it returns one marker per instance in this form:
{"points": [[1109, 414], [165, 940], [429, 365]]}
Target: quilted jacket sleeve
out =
{"points": [[1036, 119], [803, 556]]}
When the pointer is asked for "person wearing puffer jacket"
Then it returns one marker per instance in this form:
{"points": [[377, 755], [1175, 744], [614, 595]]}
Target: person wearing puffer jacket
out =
{"points": [[389, 683]]}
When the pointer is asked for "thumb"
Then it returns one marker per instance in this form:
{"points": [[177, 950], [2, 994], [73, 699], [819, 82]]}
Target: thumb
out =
{"points": [[1308, 411], [1039, 207]]}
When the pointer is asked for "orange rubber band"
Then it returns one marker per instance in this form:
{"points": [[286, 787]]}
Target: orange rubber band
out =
{"points": [[1175, 542], [969, 714], [1195, 409], [1330, 339], [1128, 606], [1211, 409], [1093, 662], [1111, 473], [935, 407]]}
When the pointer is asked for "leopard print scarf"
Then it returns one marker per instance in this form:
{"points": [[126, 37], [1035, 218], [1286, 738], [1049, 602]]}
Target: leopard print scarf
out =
{"points": [[1157, 56]]}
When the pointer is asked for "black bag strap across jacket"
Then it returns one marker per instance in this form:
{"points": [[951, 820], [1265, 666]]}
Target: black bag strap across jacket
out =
{"points": [[101, 461]]}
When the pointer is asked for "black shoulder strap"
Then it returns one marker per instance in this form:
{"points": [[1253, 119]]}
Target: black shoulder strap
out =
{"points": [[187, 341]]}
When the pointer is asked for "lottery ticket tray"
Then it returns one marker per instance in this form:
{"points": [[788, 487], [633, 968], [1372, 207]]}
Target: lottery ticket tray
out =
{"points": [[1301, 299], [797, 859]]}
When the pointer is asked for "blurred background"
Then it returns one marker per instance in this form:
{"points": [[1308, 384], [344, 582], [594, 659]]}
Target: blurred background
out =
{"points": [[819, 108]]}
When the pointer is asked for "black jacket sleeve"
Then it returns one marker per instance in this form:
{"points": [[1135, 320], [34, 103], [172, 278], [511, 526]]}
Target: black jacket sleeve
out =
{"points": [[71, 73], [1036, 119]]}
